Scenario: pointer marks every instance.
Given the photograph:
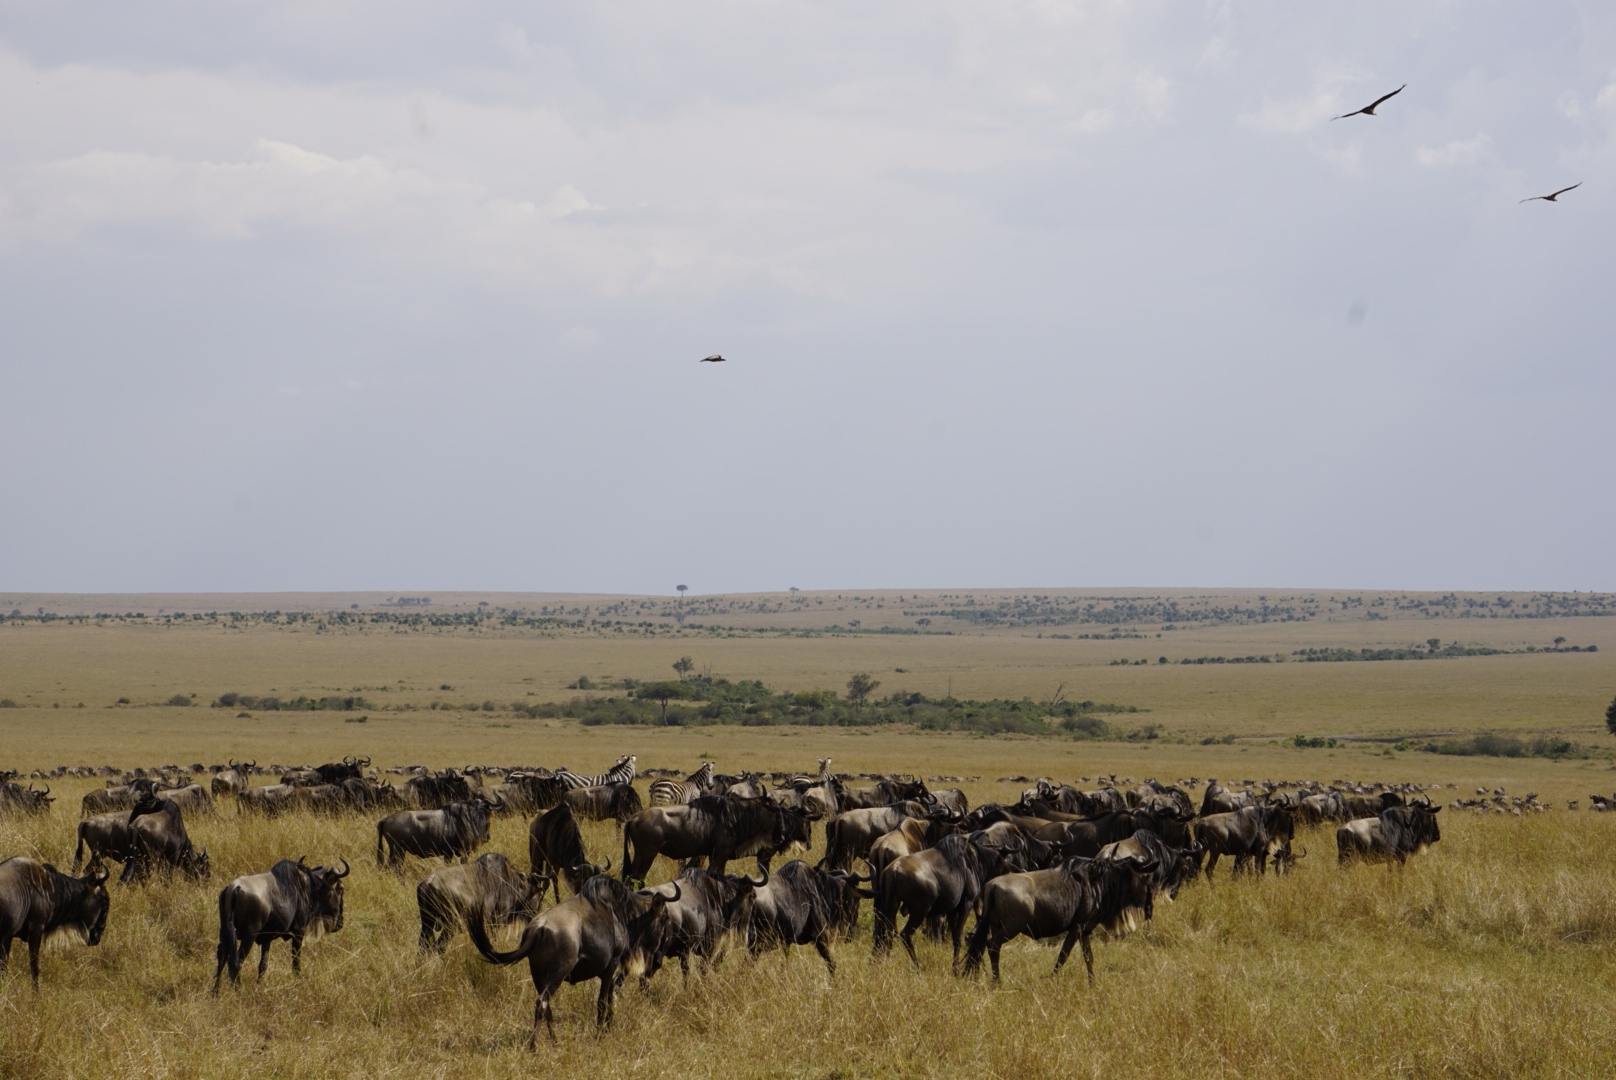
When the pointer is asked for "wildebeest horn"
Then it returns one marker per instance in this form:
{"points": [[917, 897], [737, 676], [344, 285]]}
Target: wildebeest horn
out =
{"points": [[301, 859], [608, 867], [96, 878], [1303, 855], [346, 869], [674, 899], [759, 883]]}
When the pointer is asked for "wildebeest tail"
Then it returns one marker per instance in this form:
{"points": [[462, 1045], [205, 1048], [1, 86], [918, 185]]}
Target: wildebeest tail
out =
{"points": [[479, 938], [78, 854], [624, 865], [978, 942], [229, 949], [379, 860]]}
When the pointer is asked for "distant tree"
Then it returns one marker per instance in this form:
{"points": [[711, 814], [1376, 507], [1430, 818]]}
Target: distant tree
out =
{"points": [[1559, 641], [860, 686], [1610, 717], [682, 590], [662, 693], [684, 666], [1433, 643]]}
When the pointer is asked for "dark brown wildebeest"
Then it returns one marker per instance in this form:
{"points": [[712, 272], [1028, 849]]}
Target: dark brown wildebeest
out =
{"points": [[122, 797], [1218, 799], [804, 906], [1088, 836], [942, 882], [589, 936], [1071, 899], [954, 800], [16, 799], [819, 797], [694, 923], [453, 832], [885, 793], [850, 835], [745, 786], [619, 802], [486, 889], [290, 901], [715, 827], [235, 779], [435, 791], [1394, 835], [107, 836], [556, 849], [911, 835], [38, 901], [1323, 806], [1368, 806], [270, 800], [192, 799], [1173, 865], [158, 838], [1251, 834], [525, 793]]}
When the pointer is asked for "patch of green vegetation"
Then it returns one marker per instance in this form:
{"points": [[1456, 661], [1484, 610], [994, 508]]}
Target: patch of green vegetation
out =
{"points": [[1544, 746], [301, 703]]}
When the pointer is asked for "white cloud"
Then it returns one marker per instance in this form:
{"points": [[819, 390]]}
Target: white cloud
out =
{"points": [[1303, 113], [1471, 151]]}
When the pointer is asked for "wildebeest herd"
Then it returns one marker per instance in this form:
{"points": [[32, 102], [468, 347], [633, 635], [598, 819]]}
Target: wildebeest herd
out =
{"points": [[1059, 862]]}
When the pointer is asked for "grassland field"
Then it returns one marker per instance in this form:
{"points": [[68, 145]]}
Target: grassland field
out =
{"points": [[1490, 956]]}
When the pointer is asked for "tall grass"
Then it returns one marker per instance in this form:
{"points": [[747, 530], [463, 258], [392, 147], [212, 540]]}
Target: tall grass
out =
{"points": [[1491, 956]]}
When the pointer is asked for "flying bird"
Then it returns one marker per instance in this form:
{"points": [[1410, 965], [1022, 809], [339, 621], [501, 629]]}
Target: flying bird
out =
{"points": [[1369, 110], [1556, 196], [713, 359]]}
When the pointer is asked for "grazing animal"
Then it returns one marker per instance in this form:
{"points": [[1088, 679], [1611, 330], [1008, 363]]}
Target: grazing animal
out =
{"points": [[619, 802], [1369, 110], [158, 837], [1393, 836], [453, 832], [715, 827], [107, 836], [234, 780], [38, 901], [851, 835], [122, 797], [487, 890], [556, 849], [679, 792], [1071, 899], [16, 799], [801, 905], [941, 882], [621, 773], [290, 901], [1251, 834], [270, 800], [1173, 866], [694, 923], [587, 937]]}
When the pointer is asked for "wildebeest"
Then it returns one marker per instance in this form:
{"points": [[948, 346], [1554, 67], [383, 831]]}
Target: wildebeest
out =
{"points": [[707, 907], [1322, 806], [1088, 836], [586, 937], [524, 793], [269, 800], [850, 835], [106, 836], [38, 901], [745, 786], [192, 799], [452, 832], [290, 901], [437, 790], [716, 827], [1173, 866], [1071, 899], [556, 849], [235, 779], [1252, 833], [122, 797], [1218, 799], [158, 837], [16, 799], [619, 802], [487, 889], [885, 793], [1368, 806], [801, 905], [911, 835], [953, 800], [1394, 835], [940, 882]]}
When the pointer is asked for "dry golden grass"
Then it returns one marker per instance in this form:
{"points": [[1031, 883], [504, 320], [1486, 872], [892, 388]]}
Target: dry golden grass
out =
{"points": [[1490, 957]]}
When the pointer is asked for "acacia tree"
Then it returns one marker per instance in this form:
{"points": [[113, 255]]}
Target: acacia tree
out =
{"points": [[662, 693], [860, 687], [684, 665], [1610, 717]]}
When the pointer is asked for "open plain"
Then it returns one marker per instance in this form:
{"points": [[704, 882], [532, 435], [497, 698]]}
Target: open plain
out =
{"points": [[1491, 955]]}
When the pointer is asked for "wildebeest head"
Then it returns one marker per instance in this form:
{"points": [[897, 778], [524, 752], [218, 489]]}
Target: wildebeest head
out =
{"points": [[325, 895], [471, 818], [792, 825], [87, 911], [841, 894]]}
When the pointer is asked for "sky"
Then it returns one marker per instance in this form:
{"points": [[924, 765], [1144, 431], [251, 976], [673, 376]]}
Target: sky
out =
{"points": [[364, 295]]}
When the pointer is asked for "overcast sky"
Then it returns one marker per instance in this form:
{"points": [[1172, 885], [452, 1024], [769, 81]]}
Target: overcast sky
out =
{"points": [[398, 295]]}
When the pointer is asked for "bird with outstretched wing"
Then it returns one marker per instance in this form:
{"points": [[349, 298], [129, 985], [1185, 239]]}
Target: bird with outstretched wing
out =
{"points": [[713, 359], [1556, 196], [1369, 110]]}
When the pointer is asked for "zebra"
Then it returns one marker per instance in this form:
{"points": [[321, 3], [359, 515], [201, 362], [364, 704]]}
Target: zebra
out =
{"points": [[679, 792], [621, 773], [805, 780]]}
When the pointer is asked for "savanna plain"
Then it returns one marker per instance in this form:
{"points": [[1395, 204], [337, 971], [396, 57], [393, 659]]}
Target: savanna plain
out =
{"points": [[1490, 955]]}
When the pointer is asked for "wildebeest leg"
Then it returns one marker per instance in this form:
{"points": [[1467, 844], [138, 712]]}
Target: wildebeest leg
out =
{"points": [[907, 936], [823, 948], [297, 954], [1211, 864], [5, 955], [956, 927], [1066, 947], [263, 957], [603, 1004], [34, 942], [995, 943], [1088, 957]]}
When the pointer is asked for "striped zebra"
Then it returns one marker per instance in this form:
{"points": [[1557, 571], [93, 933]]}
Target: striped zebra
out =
{"points": [[679, 792], [621, 773], [806, 780]]}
